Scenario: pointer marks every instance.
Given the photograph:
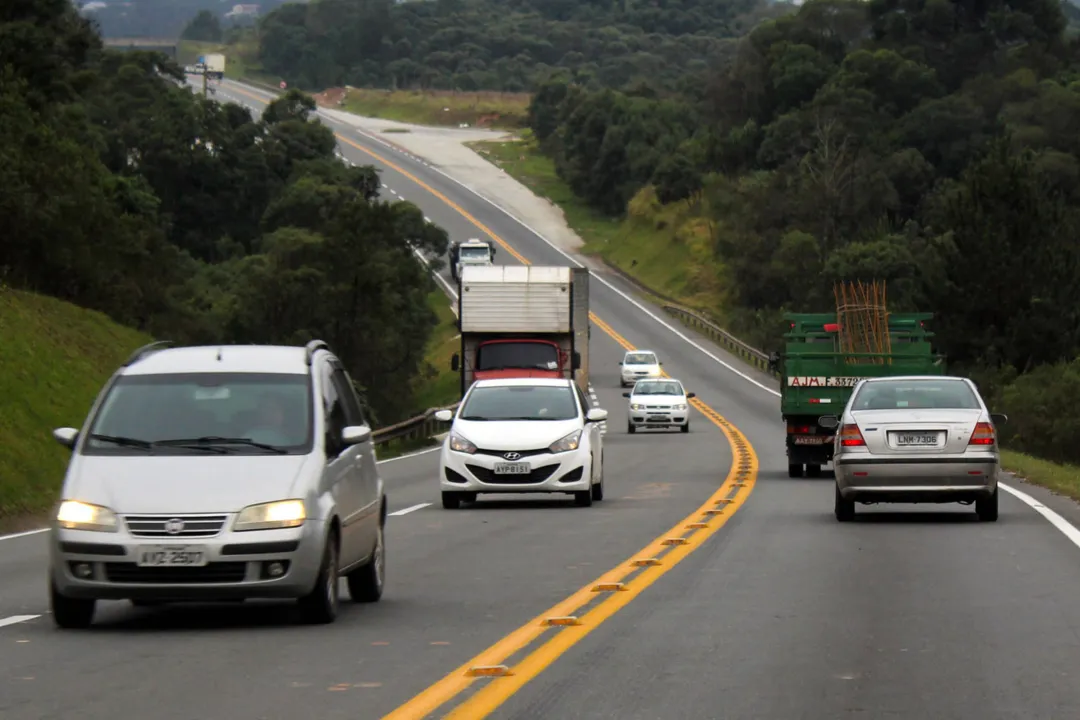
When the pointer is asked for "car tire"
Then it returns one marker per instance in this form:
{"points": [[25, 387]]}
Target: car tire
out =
{"points": [[68, 612], [451, 500], [598, 488], [583, 498], [630, 427], [366, 582], [813, 470], [320, 606], [794, 470], [987, 507], [685, 428], [844, 509]]}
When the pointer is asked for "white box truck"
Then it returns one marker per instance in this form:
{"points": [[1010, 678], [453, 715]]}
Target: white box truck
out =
{"points": [[215, 66], [523, 321]]}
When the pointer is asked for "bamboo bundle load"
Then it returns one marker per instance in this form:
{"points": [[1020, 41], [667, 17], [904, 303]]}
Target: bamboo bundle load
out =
{"points": [[863, 318]]}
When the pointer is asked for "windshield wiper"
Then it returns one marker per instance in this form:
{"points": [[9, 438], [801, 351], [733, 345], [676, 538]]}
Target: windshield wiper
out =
{"points": [[473, 417], [121, 440], [211, 442], [534, 417]]}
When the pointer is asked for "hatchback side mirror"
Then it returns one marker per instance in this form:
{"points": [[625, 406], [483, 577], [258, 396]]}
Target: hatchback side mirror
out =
{"points": [[66, 436], [444, 415], [596, 415], [355, 434]]}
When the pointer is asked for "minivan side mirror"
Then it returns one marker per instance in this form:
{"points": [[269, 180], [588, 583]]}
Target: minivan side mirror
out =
{"points": [[455, 362], [999, 418], [828, 421], [355, 434], [66, 436], [444, 415], [691, 395]]}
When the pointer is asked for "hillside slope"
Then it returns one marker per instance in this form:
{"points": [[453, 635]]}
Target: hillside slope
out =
{"points": [[54, 358]]}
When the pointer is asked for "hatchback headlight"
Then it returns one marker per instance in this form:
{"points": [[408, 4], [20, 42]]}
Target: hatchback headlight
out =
{"points": [[271, 516], [460, 444], [680, 407], [566, 444], [75, 515]]}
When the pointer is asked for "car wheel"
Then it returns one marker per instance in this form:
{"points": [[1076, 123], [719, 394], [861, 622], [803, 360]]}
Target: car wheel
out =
{"points": [[598, 488], [366, 582], [844, 509], [451, 500], [583, 498], [813, 470], [68, 612], [987, 508], [320, 606], [685, 428], [630, 427], [794, 470]]}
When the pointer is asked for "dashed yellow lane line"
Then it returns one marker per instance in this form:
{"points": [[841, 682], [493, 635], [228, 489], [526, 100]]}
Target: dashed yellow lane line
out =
{"points": [[569, 621]]}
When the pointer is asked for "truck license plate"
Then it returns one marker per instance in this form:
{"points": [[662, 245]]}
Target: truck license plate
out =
{"points": [[810, 439], [512, 469], [916, 439], [171, 556]]}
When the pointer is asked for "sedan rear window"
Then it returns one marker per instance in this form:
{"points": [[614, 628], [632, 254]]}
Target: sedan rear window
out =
{"points": [[915, 394], [520, 402]]}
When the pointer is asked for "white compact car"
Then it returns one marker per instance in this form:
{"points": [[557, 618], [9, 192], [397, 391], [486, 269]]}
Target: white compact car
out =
{"points": [[638, 365], [660, 403], [522, 435]]}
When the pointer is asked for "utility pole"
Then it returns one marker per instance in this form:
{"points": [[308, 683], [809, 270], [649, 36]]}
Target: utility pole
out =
{"points": [[204, 81]]}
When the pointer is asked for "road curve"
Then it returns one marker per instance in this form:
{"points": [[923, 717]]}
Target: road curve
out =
{"points": [[782, 613]]}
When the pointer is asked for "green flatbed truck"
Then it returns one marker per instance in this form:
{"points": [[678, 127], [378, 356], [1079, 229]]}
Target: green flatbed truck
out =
{"points": [[817, 378]]}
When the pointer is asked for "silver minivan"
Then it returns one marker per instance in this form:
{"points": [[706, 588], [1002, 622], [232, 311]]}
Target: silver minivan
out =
{"points": [[220, 473]]}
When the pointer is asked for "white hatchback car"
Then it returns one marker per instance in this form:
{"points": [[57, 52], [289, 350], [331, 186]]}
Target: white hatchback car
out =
{"points": [[660, 403], [523, 435], [639, 364]]}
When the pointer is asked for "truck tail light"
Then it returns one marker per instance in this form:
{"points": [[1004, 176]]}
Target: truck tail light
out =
{"points": [[851, 436], [982, 435]]}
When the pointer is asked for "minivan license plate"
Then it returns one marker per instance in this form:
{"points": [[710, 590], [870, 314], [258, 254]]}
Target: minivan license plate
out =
{"points": [[171, 556], [916, 439], [512, 469]]}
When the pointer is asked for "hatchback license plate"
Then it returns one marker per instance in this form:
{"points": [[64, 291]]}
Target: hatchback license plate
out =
{"points": [[512, 469], [916, 438], [171, 556]]}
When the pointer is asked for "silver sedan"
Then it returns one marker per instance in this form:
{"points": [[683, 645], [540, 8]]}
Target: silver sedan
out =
{"points": [[922, 439]]}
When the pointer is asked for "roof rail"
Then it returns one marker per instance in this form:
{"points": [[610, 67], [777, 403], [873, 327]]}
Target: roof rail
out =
{"points": [[147, 350], [312, 347]]}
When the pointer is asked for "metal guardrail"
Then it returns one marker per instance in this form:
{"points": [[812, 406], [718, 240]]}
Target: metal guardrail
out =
{"points": [[750, 355], [420, 427]]}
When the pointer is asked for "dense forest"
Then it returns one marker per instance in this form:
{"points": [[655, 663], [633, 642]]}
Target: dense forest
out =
{"points": [[159, 18], [500, 44], [122, 191], [927, 143]]}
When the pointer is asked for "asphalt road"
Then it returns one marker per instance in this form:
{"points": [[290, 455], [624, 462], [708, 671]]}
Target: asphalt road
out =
{"points": [[782, 613]]}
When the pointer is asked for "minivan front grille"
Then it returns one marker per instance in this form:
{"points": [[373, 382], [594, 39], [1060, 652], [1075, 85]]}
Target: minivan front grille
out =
{"points": [[175, 526]]}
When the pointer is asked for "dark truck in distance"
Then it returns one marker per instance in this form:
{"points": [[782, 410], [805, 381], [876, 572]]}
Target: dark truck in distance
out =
{"points": [[817, 377]]}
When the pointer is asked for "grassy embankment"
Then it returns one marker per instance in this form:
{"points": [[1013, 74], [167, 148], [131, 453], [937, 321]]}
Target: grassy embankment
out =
{"points": [[54, 358], [674, 256], [440, 107]]}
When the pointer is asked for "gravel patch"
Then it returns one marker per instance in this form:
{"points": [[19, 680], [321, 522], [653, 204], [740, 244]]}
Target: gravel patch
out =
{"points": [[444, 149]]}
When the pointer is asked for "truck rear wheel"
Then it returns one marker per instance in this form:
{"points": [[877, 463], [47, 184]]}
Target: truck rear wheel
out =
{"points": [[794, 470], [813, 470]]}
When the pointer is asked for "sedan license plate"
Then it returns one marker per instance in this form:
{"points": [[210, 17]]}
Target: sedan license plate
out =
{"points": [[512, 469], [171, 556], [917, 439]]}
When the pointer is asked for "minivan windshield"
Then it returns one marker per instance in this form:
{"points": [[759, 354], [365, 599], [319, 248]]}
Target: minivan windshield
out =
{"points": [[233, 413], [640, 359], [926, 394], [658, 388], [520, 402]]}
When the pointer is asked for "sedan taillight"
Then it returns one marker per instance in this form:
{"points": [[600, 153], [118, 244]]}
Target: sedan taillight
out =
{"points": [[982, 435], [850, 436]]}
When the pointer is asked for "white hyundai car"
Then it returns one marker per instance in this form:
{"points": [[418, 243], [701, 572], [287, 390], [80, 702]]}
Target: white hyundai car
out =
{"points": [[522, 435], [637, 365], [660, 403]]}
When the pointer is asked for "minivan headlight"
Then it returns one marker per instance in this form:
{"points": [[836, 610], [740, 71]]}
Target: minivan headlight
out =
{"points": [[271, 516], [76, 515], [567, 443]]}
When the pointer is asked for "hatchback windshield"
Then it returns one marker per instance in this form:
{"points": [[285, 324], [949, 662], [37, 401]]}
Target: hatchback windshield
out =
{"points": [[534, 356], [156, 413], [520, 402], [658, 388], [640, 359], [915, 394]]}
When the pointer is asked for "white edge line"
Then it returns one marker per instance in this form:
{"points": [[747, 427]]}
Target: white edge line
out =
{"points": [[1067, 529], [17, 535], [408, 510], [14, 619]]}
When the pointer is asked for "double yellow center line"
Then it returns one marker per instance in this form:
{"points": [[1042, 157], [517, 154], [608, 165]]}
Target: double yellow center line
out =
{"points": [[565, 624]]}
